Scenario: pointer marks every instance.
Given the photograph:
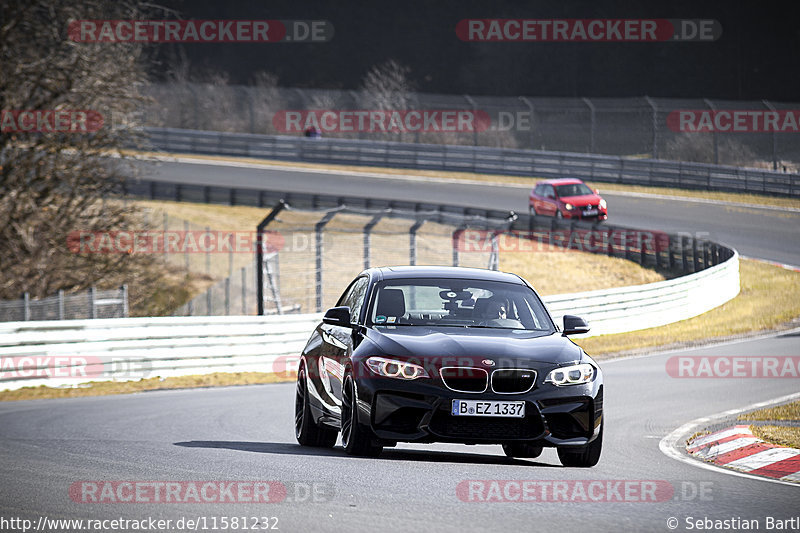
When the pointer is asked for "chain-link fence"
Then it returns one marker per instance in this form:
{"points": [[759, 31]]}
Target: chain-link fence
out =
{"points": [[91, 303], [317, 252], [310, 255], [643, 127]]}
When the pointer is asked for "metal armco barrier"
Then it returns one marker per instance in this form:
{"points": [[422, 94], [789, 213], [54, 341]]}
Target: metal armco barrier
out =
{"points": [[134, 348], [533, 163]]}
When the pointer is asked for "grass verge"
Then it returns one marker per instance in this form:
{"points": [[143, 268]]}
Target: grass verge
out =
{"points": [[787, 411], [780, 435]]}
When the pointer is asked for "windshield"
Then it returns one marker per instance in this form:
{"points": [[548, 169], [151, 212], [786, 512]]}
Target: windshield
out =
{"points": [[457, 303], [573, 189]]}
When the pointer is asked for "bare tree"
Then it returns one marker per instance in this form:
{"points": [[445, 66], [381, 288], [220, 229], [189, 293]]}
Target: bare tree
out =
{"points": [[56, 182], [386, 87]]}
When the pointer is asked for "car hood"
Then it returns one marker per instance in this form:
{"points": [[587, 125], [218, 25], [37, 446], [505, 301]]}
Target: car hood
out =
{"points": [[580, 201], [506, 347]]}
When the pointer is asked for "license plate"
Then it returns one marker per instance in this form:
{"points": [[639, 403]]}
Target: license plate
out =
{"points": [[590, 212], [488, 408]]}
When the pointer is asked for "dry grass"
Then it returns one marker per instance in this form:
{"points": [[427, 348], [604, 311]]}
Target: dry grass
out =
{"points": [[780, 435], [518, 180], [568, 271], [104, 388], [787, 411], [769, 298]]}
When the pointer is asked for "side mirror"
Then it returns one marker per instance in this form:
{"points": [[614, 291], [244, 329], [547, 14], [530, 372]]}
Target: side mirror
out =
{"points": [[338, 316], [575, 325]]}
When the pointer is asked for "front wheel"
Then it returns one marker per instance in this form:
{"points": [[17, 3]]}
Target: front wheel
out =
{"points": [[522, 450], [356, 438], [558, 214], [584, 456], [307, 432]]}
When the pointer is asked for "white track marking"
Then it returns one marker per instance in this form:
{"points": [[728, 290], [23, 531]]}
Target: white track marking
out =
{"points": [[761, 459]]}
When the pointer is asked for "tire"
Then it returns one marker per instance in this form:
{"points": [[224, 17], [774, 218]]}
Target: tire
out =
{"points": [[356, 438], [306, 431], [583, 457], [558, 214], [532, 211], [522, 450]]}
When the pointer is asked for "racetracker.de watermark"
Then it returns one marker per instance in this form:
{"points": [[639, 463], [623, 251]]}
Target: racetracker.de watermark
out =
{"points": [[594, 241], [180, 242], [588, 30], [726, 367], [200, 31], [585, 490], [50, 121], [208, 491], [382, 120], [734, 121], [72, 367]]}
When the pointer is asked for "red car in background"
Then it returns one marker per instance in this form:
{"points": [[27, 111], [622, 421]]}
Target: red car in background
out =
{"points": [[567, 198]]}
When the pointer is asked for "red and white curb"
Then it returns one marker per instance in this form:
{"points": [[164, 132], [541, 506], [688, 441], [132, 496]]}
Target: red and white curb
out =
{"points": [[737, 448]]}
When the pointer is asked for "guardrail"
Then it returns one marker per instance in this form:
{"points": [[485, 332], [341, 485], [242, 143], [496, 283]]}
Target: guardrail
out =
{"points": [[651, 305], [64, 353], [130, 349], [533, 163]]}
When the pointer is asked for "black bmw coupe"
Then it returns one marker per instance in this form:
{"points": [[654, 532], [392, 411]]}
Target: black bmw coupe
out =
{"points": [[445, 354]]}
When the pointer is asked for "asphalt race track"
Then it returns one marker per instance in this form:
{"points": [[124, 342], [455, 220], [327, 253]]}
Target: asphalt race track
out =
{"points": [[755, 232], [246, 433]]}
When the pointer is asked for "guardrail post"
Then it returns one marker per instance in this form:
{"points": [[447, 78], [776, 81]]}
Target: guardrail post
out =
{"points": [[26, 306], [670, 252], [166, 228], [412, 242], [208, 301], [208, 255], [92, 310], [60, 304], [186, 248], [318, 228], [590, 105], [530, 122], [474, 106], [696, 256], [124, 292], [260, 254], [244, 290], [367, 237], [642, 249], [684, 260], [654, 125], [774, 138], [227, 296], [716, 144], [456, 231], [232, 242]]}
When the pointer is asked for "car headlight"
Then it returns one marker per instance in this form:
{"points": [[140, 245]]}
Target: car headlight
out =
{"points": [[603, 204], [569, 207], [392, 368], [571, 375]]}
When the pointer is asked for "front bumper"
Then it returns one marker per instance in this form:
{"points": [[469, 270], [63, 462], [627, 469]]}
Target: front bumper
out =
{"points": [[577, 214], [398, 411]]}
